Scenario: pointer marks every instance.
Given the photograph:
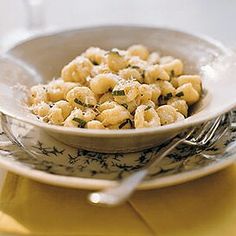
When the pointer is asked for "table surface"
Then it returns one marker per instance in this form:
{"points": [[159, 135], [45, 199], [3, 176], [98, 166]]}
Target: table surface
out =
{"points": [[206, 206]]}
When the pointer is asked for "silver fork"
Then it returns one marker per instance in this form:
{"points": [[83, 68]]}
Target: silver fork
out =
{"points": [[209, 133], [202, 138]]}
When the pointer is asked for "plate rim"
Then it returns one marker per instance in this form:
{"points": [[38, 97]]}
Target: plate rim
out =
{"points": [[97, 184]]}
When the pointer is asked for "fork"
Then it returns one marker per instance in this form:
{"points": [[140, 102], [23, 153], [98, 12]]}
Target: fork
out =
{"points": [[202, 138]]}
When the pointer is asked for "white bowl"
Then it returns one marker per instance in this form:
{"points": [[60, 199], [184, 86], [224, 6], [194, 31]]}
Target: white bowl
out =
{"points": [[40, 59]]}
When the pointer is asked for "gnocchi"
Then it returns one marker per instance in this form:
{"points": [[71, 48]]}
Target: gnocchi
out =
{"points": [[77, 70], [117, 89], [146, 116]]}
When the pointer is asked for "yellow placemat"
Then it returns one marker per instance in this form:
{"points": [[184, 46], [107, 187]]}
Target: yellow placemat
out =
{"points": [[203, 207], [29, 207]]}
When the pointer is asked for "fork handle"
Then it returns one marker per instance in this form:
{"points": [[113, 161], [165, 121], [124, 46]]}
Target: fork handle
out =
{"points": [[119, 193]]}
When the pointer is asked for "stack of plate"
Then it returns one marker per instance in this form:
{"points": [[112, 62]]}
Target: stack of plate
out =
{"points": [[34, 152]]}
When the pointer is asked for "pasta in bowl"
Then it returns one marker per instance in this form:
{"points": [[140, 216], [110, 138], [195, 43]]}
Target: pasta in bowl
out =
{"points": [[117, 89], [116, 100]]}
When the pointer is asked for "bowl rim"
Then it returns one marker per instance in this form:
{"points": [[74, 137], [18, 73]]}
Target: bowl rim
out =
{"points": [[121, 133]]}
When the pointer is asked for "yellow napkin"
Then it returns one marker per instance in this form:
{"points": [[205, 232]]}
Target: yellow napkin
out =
{"points": [[203, 207], [29, 207]]}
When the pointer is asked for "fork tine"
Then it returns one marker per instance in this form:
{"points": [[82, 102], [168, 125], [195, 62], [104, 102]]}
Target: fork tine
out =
{"points": [[218, 132], [233, 125], [217, 137], [190, 132], [211, 132], [208, 131], [6, 130], [202, 131]]}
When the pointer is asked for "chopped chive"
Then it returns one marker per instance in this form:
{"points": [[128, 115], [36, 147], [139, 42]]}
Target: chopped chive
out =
{"points": [[113, 52], [95, 108], [135, 67], [143, 74], [123, 124], [128, 121], [168, 96], [133, 113], [45, 119], [180, 94], [147, 108], [76, 100], [172, 73], [81, 122], [124, 105], [94, 63], [118, 93], [97, 111], [161, 100], [131, 123]]}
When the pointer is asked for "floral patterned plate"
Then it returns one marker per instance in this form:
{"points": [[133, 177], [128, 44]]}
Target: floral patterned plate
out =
{"points": [[55, 163]]}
